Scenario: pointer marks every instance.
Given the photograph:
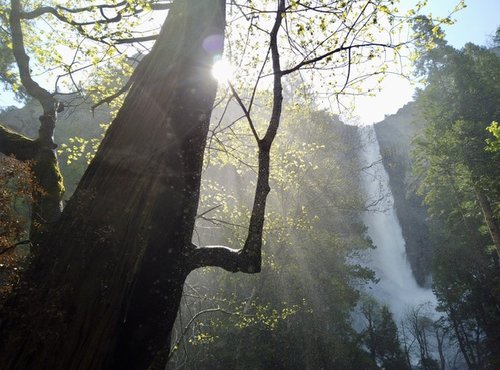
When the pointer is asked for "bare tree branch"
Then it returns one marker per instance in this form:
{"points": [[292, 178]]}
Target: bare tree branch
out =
{"points": [[248, 259], [92, 7], [245, 111], [45, 98], [335, 51], [122, 9], [131, 40], [198, 314], [208, 211], [38, 12], [14, 246], [138, 71]]}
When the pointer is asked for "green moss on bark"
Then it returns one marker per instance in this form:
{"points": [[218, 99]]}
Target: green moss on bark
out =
{"points": [[48, 206], [20, 146]]}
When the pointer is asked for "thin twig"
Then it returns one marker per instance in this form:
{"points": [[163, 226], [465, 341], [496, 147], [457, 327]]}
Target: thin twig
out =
{"points": [[15, 246]]}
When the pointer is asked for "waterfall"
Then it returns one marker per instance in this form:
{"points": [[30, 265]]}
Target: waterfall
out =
{"points": [[397, 286]]}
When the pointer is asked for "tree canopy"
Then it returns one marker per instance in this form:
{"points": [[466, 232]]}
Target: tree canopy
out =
{"points": [[459, 171]]}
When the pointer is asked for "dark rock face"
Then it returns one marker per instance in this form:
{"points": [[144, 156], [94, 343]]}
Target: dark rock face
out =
{"points": [[395, 134]]}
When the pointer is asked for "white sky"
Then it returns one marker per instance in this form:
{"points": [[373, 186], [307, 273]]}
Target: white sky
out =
{"points": [[476, 23]]}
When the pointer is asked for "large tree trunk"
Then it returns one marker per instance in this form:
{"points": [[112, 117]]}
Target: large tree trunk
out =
{"points": [[105, 292]]}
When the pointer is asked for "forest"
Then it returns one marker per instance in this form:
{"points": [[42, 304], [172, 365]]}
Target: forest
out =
{"points": [[188, 184]]}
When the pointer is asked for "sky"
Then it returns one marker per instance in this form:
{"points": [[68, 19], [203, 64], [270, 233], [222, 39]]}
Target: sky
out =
{"points": [[476, 23]]}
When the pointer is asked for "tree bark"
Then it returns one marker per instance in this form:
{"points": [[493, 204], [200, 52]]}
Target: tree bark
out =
{"points": [[489, 217], [20, 146], [105, 292]]}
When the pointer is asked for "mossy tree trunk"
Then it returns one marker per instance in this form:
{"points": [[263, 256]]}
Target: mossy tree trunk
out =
{"points": [[47, 205], [49, 189]]}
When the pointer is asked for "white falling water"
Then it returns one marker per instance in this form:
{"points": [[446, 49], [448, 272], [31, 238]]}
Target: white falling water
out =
{"points": [[397, 286]]}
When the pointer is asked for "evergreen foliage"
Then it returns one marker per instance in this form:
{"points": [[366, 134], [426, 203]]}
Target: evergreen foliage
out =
{"points": [[460, 177]]}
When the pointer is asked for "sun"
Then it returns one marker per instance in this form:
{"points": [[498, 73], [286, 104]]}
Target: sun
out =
{"points": [[222, 70]]}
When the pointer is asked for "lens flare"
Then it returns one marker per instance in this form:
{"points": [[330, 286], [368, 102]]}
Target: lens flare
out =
{"points": [[222, 70]]}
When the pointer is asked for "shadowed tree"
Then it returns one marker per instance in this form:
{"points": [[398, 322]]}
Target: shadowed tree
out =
{"points": [[381, 336]]}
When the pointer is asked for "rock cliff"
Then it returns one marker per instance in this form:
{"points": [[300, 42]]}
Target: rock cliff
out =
{"points": [[395, 134]]}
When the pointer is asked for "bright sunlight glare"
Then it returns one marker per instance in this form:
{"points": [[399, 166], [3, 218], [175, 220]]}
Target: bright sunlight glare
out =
{"points": [[222, 70]]}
